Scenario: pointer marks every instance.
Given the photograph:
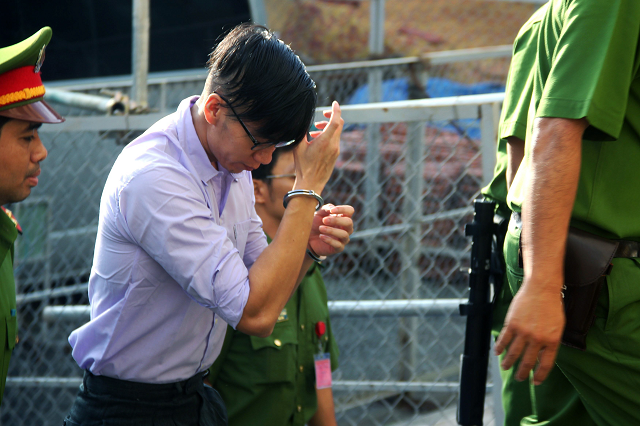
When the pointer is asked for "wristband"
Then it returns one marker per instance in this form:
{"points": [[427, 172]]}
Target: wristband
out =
{"points": [[314, 256], [305, 193]]}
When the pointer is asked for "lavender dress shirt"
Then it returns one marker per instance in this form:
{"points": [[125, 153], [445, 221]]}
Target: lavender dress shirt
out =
{"points": [[176, 238]]}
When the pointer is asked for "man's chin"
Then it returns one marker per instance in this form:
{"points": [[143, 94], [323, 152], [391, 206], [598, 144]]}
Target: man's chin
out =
{"points": [[16, 198]]}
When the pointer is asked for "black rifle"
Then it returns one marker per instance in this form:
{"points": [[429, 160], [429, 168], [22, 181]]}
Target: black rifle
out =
{"points": [[479, 310]]}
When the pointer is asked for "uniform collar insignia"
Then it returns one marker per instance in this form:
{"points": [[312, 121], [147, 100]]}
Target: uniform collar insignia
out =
{"points": [[283, 316], [13, 219]]}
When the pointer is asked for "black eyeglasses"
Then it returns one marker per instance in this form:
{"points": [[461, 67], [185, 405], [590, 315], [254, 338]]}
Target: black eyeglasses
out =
{"points": [[256, 144]]}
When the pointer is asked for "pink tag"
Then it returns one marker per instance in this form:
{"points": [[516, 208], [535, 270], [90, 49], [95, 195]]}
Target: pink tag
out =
{"points": [[323, 370]]}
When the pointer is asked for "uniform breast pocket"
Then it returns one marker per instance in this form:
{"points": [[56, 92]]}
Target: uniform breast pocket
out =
{"points": [[240, 235], [276, 355]]}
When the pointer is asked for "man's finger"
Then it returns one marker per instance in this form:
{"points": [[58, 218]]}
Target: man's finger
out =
{"points": [[325, 210], [528, 361], [337, 245], [344, 210], [335, 118], [337, 221], [336, 233], [513, 353], [547, 358], [343, 223], [503, 340]]}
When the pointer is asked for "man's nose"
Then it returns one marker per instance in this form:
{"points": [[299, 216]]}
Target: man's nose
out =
{"points": [[39, 152], [264, 155]]}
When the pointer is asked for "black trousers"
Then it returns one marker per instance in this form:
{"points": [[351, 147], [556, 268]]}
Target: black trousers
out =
{"points": [[103, 401]]}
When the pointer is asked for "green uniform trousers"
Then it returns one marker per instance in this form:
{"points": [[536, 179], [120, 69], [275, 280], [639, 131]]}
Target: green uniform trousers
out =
{"points": [[601, 385]]}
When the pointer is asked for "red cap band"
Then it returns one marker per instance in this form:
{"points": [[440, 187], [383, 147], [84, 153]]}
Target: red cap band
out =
{"points": [[19, 85]]}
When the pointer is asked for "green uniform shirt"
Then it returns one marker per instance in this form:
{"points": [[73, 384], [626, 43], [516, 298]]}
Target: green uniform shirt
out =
{"points": [[271, 380], [517, 96], [588, 66], [8, 323]]}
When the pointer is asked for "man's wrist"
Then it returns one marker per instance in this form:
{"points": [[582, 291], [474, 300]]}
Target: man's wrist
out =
{"points": [[305, 184], [315, 257]]}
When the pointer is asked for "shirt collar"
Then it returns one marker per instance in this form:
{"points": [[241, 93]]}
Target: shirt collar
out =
{"points": [[192, 145]]}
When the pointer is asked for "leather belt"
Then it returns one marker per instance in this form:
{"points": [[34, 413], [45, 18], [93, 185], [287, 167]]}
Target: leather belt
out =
{"points": [[626, 248]]}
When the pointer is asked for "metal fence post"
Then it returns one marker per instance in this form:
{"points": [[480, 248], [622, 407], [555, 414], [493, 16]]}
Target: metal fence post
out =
{"points": [[490, 115], [140, 52], [258, 12], [412, 213], [374, 81]]}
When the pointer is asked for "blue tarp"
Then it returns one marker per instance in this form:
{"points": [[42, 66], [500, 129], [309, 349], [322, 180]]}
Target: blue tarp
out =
{"points": [[398, 90]]}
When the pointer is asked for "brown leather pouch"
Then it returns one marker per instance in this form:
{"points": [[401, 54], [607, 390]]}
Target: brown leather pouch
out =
{"points": [[587, 262]]}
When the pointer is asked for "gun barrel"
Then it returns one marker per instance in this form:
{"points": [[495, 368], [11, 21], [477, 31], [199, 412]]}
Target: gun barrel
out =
{"points": [[475, 359]]}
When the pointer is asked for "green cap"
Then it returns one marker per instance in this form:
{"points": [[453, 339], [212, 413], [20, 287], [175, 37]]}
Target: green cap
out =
{"points": [[21, 88]]}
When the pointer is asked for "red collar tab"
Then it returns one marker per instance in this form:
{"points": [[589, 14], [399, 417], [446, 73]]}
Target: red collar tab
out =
{"points": [[13, 219]]}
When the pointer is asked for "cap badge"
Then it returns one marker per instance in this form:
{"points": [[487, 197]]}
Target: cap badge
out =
{"points": [[40, 60]]}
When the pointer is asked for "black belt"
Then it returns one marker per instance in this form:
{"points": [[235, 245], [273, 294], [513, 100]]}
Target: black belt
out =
{"points": [[626, 248], [102, 385], [212, 409]]}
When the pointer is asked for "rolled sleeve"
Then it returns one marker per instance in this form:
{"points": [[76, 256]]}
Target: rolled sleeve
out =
{"points": [[592, 64], [163, 210]]}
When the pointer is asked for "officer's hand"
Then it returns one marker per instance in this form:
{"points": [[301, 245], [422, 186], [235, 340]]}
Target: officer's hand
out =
{"points": [[533, 328], [315, 159], [331, 228]]}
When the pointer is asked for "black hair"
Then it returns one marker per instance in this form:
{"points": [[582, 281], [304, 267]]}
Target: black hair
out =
{"points": [[265, 81], [3, 121], [266, 169]]}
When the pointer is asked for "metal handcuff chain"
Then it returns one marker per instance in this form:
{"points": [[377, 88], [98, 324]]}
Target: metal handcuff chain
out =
{"points": [[306, 193]]}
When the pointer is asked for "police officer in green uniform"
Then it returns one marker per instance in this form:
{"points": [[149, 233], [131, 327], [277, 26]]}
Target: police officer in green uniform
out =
{"points": [[517, 395], [22, 111], [579, 168], [271, 381]]}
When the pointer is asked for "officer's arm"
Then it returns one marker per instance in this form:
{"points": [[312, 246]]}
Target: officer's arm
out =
{"points": [[326, 414], [535, 320], [515, 153]]}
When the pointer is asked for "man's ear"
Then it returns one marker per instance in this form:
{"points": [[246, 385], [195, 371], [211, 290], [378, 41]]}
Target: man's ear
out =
{"points": [[212, 108], [260, 191]]}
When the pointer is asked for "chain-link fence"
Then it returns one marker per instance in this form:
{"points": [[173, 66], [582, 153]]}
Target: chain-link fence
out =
{"points": [[411, 170]]}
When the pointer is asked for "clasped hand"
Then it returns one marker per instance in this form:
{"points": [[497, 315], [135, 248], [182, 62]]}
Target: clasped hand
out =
{"points": [[331, 228]]}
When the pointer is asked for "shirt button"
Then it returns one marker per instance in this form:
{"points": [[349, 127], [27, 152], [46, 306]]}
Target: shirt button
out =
{"points": [[299, 408], [302, 327], [301, 368], [277, 342]]}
